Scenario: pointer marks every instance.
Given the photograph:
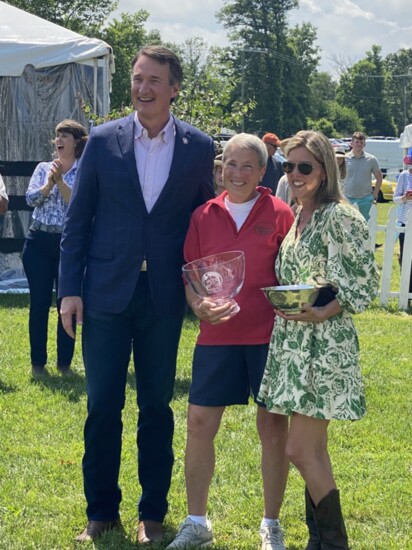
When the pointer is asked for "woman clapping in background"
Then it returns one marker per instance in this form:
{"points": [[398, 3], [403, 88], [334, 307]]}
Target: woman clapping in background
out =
{"points": [[49, 192]]}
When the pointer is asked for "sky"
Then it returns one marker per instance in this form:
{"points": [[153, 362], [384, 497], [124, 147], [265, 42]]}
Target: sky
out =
{"points": [[346, 29]]}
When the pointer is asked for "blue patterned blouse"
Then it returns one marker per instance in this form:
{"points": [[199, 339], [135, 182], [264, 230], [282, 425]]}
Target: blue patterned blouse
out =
{"points": [[49, 210]]}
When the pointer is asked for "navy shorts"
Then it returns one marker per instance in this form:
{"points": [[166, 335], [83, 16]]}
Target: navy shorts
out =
{"points": [[227, 375]]}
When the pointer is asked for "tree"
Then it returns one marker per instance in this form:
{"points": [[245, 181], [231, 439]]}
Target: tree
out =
{"points": [[362, 87], [322, 125], [345, 120], [304, 59], [322, 91], [323, 109], [270, 62], [399, 86], [76, 15]]}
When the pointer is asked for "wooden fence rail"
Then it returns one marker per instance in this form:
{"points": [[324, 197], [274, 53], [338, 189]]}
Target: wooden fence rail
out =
{"points": [[391, 230], [17, 204]]}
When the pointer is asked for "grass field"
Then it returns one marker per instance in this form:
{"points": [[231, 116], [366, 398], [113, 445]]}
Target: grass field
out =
{"points": [[41, 446]]}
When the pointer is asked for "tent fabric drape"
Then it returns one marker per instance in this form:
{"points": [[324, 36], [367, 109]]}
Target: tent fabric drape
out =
{"points": [[46, 73]]}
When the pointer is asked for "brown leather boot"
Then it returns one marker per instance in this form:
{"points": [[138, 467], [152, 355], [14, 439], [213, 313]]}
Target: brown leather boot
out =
{"points": [[314, 540], [330, 524]]}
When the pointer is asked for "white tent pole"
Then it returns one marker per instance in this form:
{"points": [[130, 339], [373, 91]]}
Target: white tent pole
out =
{"points": [[95, 85], [106, 85]]}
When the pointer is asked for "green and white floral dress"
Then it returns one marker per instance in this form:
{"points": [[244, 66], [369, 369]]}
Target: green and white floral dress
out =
{"points": [[313, 368]]}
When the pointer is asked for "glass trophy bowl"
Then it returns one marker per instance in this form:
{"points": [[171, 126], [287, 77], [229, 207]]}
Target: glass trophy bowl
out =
{"points": [[217, 278]]}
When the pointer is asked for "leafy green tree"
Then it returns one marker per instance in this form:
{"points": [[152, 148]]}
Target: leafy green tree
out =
{"points": [[399, 86], [322, 125], [324, 107], [362, 87], [345, 120], [298, 72], [272, 64], [76, 15], [322, 91]]}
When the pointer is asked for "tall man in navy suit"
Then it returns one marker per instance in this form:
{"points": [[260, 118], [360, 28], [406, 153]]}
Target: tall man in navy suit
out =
{"points": [[120, 276]]}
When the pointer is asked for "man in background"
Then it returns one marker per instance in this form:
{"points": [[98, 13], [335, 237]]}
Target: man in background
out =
{"points": [[139, 179], [361, 168], [274, 169]]}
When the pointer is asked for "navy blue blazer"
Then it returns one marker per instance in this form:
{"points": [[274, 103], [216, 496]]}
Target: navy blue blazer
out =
{"points": [[108, 231]]}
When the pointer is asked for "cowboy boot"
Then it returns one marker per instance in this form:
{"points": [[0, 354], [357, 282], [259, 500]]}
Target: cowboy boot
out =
{"points": [[314, 540], [330, 524]]}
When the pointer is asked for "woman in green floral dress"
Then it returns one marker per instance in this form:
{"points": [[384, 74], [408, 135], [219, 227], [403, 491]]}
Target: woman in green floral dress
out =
{"points": [[312, 372]]}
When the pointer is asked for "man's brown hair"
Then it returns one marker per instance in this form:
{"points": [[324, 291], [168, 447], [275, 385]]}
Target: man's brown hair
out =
{"points": [[164, 56], [358, 135]]}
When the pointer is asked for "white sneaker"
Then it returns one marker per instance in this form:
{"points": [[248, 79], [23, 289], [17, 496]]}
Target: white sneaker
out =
{"points": [[272, 538], [192, 535]]}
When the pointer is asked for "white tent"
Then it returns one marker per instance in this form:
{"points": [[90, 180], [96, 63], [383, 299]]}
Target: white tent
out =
{"points": [[46, 74], [26, 39]]}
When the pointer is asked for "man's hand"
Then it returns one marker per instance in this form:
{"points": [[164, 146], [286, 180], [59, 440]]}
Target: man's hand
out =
{"points": [[71, 306]]}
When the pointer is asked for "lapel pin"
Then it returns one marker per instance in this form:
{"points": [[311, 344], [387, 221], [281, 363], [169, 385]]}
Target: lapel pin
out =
{"points": [[185, 140]]}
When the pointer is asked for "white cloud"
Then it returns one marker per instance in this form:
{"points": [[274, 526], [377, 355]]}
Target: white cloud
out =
{"points": [[169, 11], [312, 6], [350, 9], [179, 32]]}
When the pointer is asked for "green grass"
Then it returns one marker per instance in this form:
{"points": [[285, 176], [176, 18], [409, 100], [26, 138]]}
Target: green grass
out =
{"points": [[41, 446]]}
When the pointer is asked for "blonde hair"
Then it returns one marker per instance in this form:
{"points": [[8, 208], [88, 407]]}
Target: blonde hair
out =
{"points": [[321, 148]]}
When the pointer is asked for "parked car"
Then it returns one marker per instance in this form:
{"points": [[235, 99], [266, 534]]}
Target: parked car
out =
{"points": [[339, 143], [390, 138], [386, 191], [222, 138]]}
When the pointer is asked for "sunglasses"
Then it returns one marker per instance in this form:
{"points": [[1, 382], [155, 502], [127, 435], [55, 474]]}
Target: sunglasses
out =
{"points": [[304, 168]]}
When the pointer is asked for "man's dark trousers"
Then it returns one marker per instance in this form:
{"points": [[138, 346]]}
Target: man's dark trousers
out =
{"points": [[108, 340]]}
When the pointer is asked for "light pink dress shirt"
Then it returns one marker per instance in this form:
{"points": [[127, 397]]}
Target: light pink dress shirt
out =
{"points": [[153, 159]]}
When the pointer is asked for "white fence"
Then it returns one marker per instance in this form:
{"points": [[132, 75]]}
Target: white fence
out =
{"points": [[391, 231]]}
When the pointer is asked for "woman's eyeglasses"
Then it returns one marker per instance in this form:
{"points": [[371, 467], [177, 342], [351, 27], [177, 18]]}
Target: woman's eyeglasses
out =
{"points": [[304, 168]]}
